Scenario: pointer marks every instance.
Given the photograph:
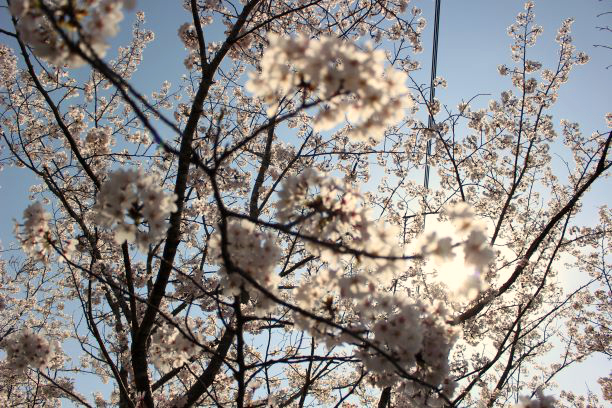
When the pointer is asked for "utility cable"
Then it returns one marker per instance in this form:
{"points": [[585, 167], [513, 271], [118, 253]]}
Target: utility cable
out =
{"points": [[432, 93]]}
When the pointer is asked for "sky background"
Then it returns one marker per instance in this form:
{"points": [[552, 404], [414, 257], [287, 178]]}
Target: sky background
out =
{"points": [[473, 42]]}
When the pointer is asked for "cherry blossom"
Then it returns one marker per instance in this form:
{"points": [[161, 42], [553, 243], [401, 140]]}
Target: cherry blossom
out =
{"points": [[256, 231], [34, 234], [353, 83], [27, 349], [130, 195]]}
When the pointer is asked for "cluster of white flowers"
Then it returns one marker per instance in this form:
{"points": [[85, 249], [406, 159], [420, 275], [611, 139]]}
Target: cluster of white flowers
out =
{"points": [[417, 338], [503, 70], [541, 401], [170, 348], [414, 334], [36, 239], [34, 235], [352, 82], [432, 360], [36, 29], [127, 200], [188, 36], [331, 211], [98, 141], [477, 252], [465, 236], [27, 349], [8, 66], [256, 253], [441, 248], [315, 293], [396, 329], [179, 401]]}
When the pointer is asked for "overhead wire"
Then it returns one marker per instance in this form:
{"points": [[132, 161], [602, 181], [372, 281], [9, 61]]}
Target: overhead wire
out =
{"points": [[432, 94]]}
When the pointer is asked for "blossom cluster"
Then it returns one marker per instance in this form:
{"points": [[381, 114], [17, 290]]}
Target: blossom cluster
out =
{"points": [[460, 251], [477, 252], [396, 328], [127, 200], [27, 349], [338, 228], [254, 252], [188, 36], [37, 29], [8, 65], [352, 82], [541, 401], [98, 140], [416, 337], [330, 211], [34, 235], [170, 348], [404, 334]]}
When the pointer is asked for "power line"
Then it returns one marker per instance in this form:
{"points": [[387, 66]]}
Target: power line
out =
{"points": [[432, 92]]}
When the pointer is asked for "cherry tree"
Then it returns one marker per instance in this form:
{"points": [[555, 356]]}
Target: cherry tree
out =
{"points": [[218, 243]]}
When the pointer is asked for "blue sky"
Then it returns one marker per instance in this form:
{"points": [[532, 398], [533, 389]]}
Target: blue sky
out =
{"points": [[473, 42]]}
